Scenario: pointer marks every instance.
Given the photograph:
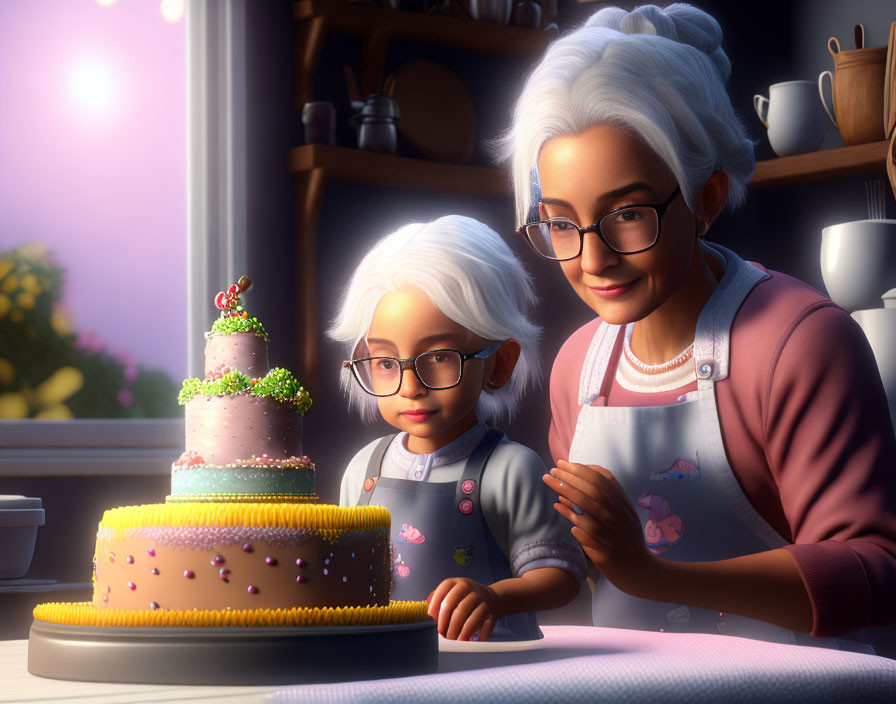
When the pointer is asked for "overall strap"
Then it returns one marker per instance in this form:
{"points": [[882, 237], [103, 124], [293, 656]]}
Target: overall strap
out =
{"points": [[374, 466], [466, 496]]}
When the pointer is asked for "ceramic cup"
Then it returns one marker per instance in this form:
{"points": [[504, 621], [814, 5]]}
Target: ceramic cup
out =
{"points": [[858, 261], [793, 115], [879, 326], [319, 119]]}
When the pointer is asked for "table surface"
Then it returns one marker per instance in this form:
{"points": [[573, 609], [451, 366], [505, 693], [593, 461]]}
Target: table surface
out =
{"points": [[572, 663]]}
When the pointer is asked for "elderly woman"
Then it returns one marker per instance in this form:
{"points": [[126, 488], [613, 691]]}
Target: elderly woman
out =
{"points": [[721, 436]]}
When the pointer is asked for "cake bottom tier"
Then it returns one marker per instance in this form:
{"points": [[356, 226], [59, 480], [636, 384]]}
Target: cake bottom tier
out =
{"points": [[260, 647], [241, 556]]}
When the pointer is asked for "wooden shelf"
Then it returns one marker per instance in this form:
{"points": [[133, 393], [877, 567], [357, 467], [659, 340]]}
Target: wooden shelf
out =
{"points": [[373, 169], [379, 25], [820, 166]]}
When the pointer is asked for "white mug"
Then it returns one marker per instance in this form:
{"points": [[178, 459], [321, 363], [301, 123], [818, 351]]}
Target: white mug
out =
{"points": [[794, 116]]}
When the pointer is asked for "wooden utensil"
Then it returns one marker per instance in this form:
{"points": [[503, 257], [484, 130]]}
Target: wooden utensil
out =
{"points": [[891, 163], [437, 114], [889, 88]]}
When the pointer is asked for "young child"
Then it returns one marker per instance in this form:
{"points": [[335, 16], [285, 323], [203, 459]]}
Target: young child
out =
{"points": [[435, 323]]}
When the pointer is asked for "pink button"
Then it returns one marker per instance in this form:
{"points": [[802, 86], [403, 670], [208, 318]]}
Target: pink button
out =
{"points": [[368, 484], [465, 507], [467, 486]]}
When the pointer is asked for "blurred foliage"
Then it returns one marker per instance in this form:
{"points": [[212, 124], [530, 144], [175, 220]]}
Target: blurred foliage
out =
{"points": [[49, 371]]}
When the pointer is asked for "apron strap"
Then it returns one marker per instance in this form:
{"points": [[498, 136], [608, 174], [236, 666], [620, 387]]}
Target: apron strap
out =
{"points": [[374, 467], [466, 496]]}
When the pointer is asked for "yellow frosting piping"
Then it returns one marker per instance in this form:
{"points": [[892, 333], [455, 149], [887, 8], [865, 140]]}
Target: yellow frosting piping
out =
{"points": [[84, 613], [328, 519]]}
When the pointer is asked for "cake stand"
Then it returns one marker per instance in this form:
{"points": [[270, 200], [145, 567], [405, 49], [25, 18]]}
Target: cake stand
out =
{"points": [[233, 655]]}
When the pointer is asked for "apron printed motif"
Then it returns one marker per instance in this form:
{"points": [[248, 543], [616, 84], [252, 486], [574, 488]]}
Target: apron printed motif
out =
{"points": [[680, 469], [464, 555], [441, 532], [411, 534], [663, 528], [680, 614]]}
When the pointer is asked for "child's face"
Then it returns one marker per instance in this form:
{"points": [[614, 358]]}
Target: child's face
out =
{"points": [[405, 324]]}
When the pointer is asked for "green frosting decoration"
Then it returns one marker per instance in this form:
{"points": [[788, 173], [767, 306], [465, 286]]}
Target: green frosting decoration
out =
{"points": [[278, 383], [231, 324]]}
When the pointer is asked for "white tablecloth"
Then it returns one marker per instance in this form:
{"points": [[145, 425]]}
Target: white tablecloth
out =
{"points": [[586, 664], [571, 664]]}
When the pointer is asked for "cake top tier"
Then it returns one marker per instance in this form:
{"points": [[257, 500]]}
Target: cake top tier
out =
{"points": [[234, 318]]}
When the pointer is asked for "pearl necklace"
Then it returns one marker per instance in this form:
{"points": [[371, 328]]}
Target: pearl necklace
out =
{"points": [[673, 363]]}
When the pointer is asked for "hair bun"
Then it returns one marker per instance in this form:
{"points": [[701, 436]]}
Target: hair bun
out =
{"points": [[679, 22]]}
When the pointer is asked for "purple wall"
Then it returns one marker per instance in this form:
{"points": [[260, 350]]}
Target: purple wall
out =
{"points": [[103, 184]]}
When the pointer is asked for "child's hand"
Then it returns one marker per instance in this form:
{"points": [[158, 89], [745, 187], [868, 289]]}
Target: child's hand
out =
{"points": [[462, 607], [608, 528]]}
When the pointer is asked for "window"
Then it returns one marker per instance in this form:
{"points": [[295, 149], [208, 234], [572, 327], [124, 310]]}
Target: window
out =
{"points": [[93, 199]]}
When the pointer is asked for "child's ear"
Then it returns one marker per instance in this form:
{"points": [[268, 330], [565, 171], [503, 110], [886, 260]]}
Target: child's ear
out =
{"points": [[505, 360]]}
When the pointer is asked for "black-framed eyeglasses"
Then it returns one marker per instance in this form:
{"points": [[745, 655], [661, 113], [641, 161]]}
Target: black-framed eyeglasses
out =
{"points": [[627, 230], [435, 369]]}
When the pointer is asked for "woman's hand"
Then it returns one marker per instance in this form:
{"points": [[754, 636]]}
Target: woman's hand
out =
{"points": [[608, 528], [462, 607]]}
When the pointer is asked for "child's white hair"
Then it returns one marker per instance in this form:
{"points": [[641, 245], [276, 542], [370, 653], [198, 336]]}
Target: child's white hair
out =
{"points": [[471, 275], [657, 73]]}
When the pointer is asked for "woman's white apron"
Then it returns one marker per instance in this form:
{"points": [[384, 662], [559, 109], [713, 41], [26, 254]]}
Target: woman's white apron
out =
{"points": [[671, 462]]}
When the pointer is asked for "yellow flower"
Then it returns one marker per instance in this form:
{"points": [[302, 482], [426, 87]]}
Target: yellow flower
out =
{"points": [[31, 285], [25, 300], [58, 411], [5, 305], [33, 250], [6, 266], [13, 406], [60, 323], [17, 316], [10, 283], [59, 386], [7, 372]]}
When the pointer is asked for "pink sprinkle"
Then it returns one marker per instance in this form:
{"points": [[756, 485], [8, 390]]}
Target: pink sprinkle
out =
{"points": [[105, 597], [111, 557], [253, 590], [151, 552], [154, 570], [300, 562], [132, 586], [153, 605], [272, 561], [247, 547], [218, 560], [129, 559], [189, 574], [300, 579], [223, 573]]}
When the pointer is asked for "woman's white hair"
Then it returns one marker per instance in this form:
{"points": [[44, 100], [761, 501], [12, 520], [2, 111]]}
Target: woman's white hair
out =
{"points": [[658, 73], [471, 275]]}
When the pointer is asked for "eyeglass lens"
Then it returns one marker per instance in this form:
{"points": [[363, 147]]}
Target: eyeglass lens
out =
{"points": [[438, 369], [629, 230]]}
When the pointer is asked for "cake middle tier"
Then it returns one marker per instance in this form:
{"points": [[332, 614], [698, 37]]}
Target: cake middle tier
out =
{"points": [[242, 556], [230, 427]]}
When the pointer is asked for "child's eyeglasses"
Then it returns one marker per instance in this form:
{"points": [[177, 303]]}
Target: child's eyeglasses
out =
{"points": [[436, 369]]}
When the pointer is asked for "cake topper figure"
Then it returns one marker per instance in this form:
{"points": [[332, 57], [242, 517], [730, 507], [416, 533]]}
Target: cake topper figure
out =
{"points": [[229, 301], [435, 323]]}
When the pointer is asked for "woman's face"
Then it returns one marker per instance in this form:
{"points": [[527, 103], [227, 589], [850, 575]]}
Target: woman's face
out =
{"points": [[407, 323], [586, 175]]}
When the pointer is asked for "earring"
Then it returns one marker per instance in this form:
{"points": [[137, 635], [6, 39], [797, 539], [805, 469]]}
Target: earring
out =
{"points": [[704, 228]]}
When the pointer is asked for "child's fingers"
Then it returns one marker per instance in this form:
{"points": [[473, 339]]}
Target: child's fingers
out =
{"points": [[485, 631], [449, 603], [436, 598], [475, 622], [461, 615]]}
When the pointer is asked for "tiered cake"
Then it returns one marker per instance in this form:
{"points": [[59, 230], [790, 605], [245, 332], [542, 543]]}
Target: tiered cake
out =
{"points": [[241, 539]]}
